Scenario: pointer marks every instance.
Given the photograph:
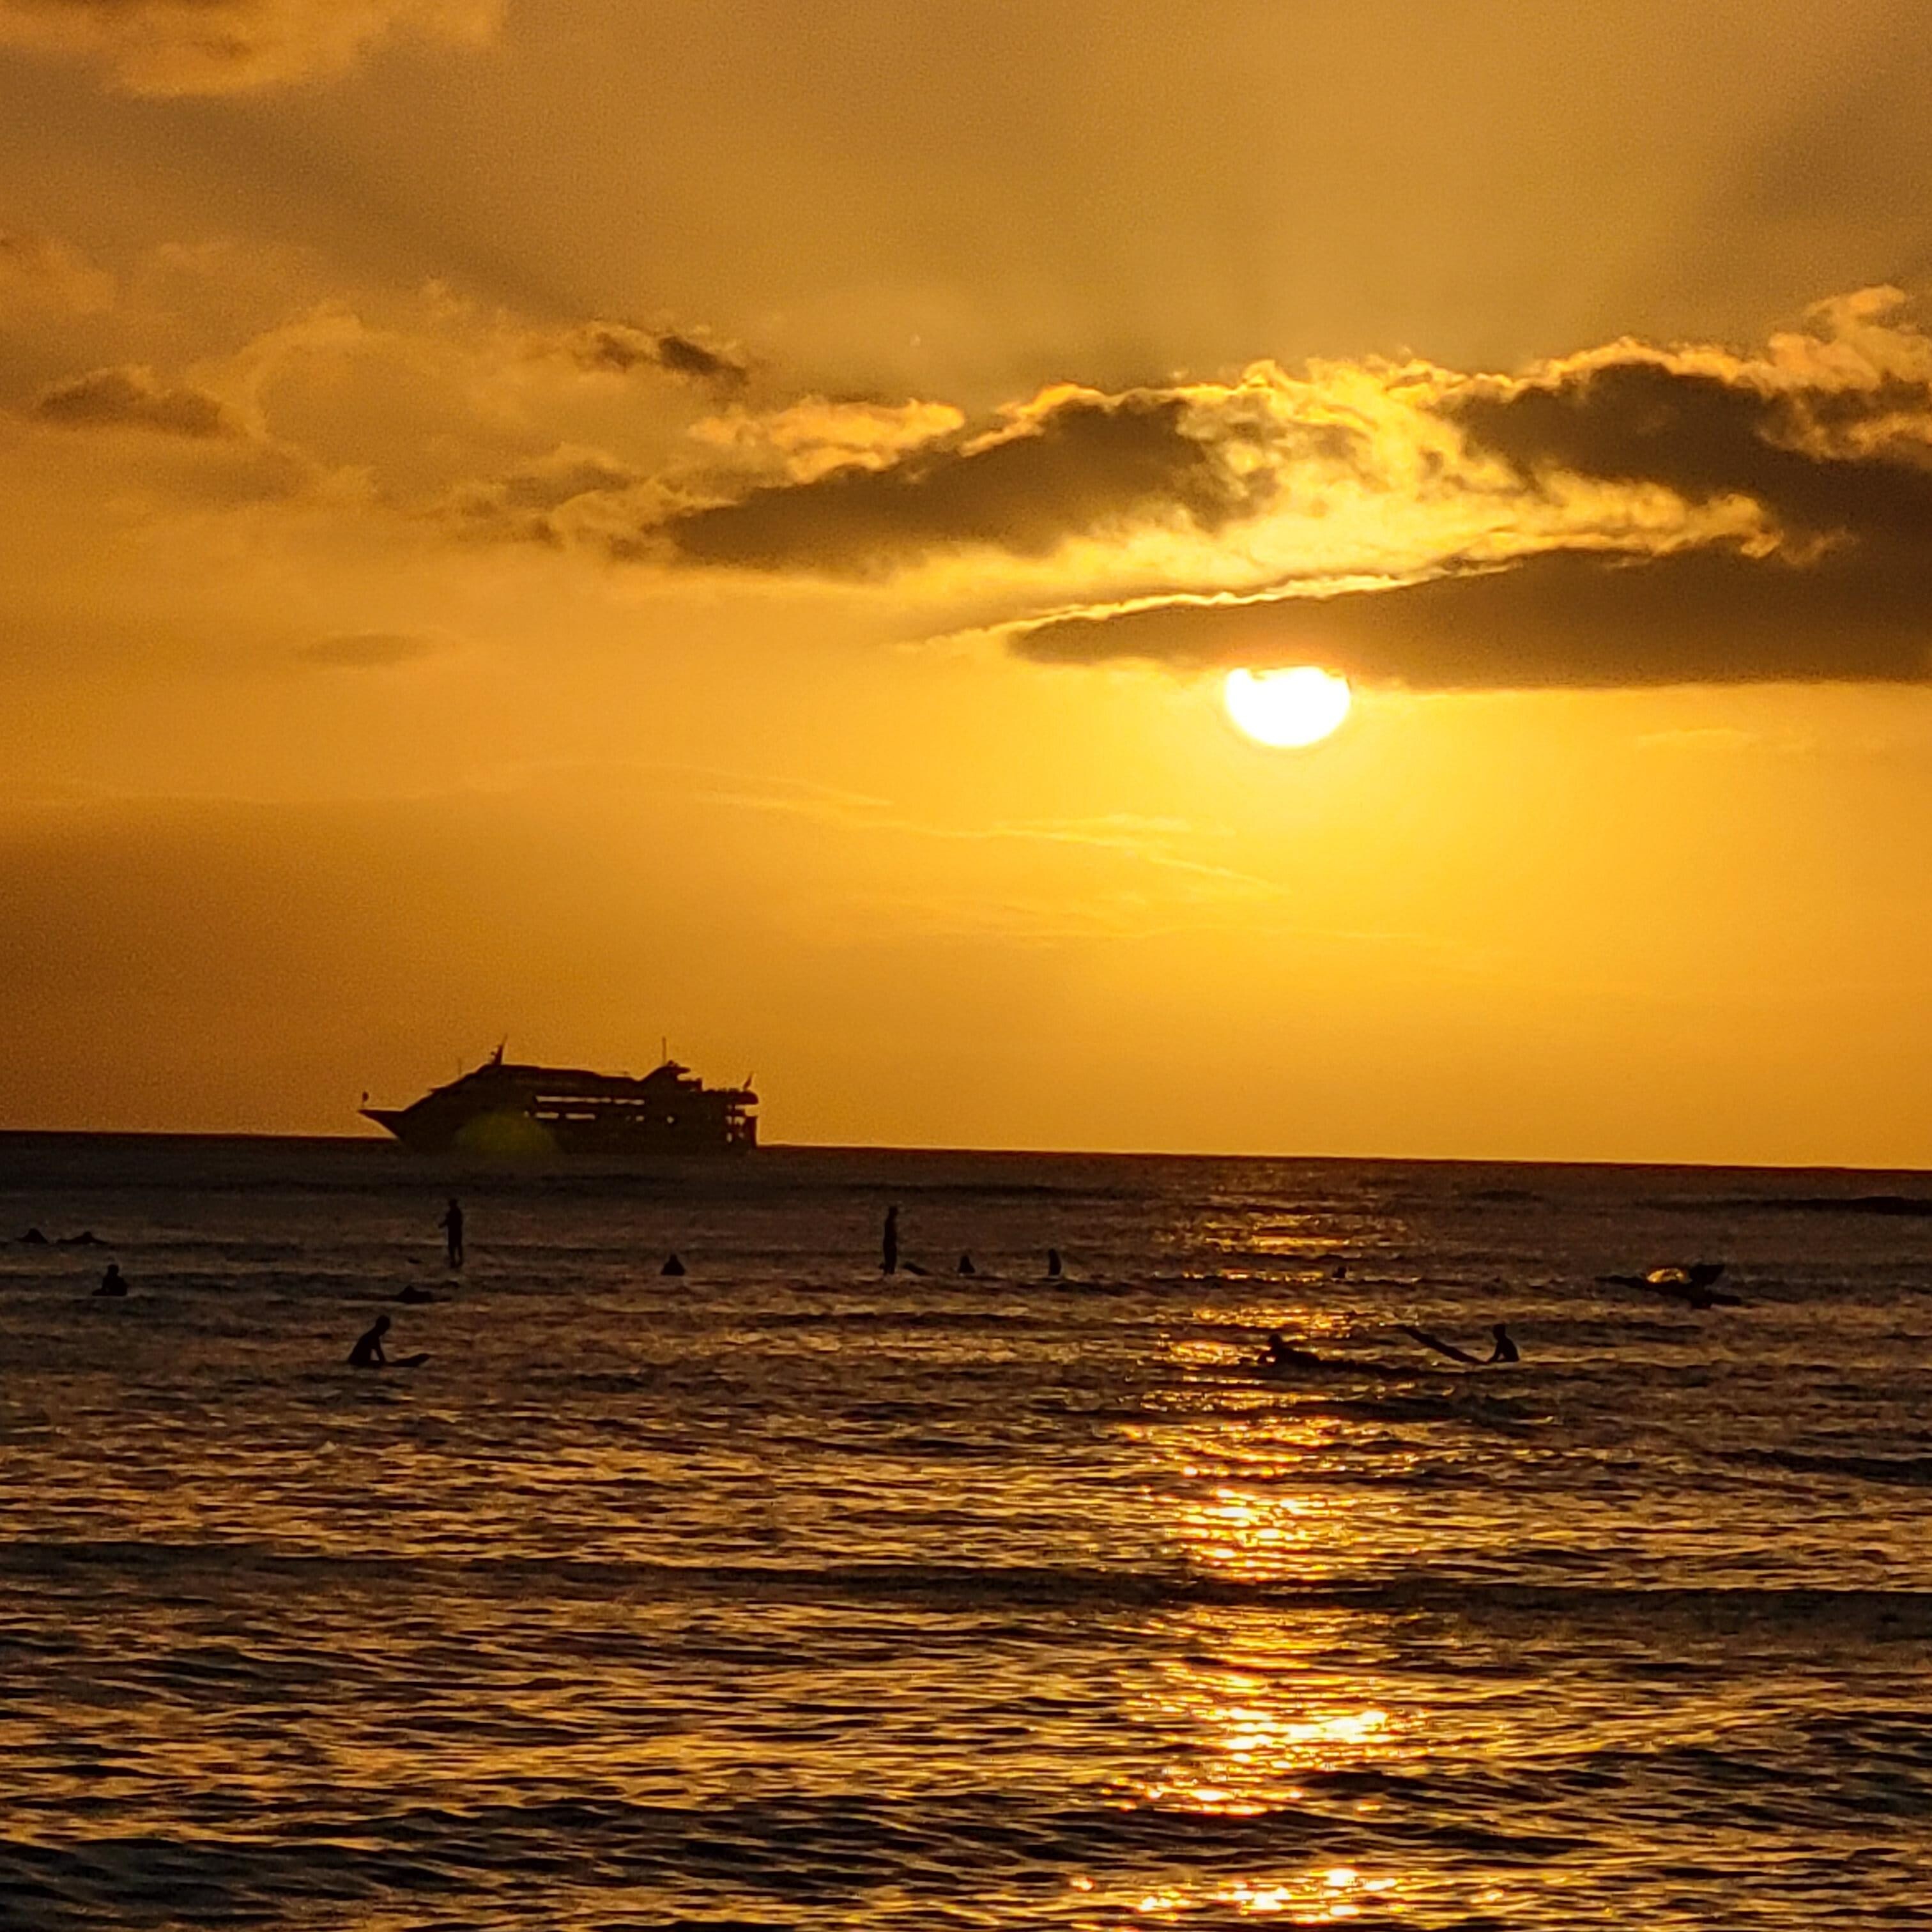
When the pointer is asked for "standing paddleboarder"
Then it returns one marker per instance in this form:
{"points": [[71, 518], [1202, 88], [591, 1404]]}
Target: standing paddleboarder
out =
{"points": [[452, 1224]]}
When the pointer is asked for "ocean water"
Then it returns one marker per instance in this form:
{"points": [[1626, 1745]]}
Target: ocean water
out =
{"points": [[786, 1595]]}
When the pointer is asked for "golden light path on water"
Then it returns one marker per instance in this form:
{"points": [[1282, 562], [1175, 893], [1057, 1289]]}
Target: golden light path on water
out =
{"points": [[1258, 1703]]}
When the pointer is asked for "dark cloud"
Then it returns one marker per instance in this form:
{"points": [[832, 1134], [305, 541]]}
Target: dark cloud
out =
{"points": [[367, 650], [1835, 584], [1705, 435], [133, 397], [1585, 618], [1079, 466], [619, 348]]}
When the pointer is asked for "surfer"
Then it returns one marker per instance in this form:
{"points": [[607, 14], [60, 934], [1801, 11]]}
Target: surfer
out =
{"points": [[1053, 1268], [889, 1250], [1505, 1350], [113, 1281], [1694, 1286], [1278, 1352], [367, 1352], [452, 1224], [966, 1266], [672, 1266]]}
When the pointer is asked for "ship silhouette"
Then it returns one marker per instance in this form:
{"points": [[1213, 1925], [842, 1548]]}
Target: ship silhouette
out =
{"points": [[507, 1108]]}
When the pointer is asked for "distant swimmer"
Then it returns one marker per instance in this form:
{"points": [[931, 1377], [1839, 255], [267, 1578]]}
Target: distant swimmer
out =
{"points": [[672, 1266], [452, 1224], [889, 1249], [966, 1266], [1053, 1267], [1504, 1351], [113, 1281], [1278, 1352], [367, 1352]]}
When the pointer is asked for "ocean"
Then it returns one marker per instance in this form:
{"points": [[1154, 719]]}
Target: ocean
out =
{"points": [[785, 1594]]}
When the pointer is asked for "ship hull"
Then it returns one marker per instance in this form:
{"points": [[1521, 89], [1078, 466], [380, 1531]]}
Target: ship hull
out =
{"points": [[518, 1112]]}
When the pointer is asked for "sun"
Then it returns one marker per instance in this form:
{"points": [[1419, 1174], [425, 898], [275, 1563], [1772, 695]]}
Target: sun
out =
{"points": [[1287, 707]]}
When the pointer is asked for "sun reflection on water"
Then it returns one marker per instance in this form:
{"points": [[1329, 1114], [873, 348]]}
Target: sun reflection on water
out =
{"points": [[1275, 1705]]}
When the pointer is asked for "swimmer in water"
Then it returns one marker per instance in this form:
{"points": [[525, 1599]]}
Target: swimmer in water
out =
{"points": [[367, 1352], [113, 1281], [1280, 1352]]}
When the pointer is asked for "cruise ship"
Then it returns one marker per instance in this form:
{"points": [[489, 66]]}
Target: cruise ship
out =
{"points": [[506, 1108]]}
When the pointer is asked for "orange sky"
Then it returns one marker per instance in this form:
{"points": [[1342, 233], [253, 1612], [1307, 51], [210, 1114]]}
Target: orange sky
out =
{"points": [[601, 520]]}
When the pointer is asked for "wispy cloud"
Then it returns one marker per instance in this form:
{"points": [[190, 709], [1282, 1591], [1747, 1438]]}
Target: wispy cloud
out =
{"points": [[230, 46]]}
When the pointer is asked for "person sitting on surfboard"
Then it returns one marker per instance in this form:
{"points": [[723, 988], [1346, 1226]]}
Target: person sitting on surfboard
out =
{"points": [[1504, 1351], [367, 1352]]}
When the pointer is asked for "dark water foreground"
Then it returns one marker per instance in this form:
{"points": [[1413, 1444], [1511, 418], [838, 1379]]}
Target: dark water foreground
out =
{"points": [[781, 1595]]}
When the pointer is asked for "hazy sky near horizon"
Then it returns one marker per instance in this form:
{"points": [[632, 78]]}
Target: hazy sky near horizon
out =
{"points": [[626, 518]]}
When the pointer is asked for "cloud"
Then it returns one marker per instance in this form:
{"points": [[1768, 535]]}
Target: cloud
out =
{"points": [[1072, 462], [572, 491], [1788, 500], [228, 46], [803, 441], [368, 650], [36, 271], [618, 348], [1586, 618], [133, 397]]}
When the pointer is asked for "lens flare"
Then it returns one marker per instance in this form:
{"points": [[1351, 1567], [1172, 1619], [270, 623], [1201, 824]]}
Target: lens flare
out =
{"points": [[1287, 708]]}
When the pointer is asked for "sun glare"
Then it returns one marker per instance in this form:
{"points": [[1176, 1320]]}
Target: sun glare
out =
{"points": [[1287, 707]]}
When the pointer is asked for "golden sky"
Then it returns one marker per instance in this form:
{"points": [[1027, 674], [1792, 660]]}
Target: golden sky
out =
{"points": [[604, 519]]}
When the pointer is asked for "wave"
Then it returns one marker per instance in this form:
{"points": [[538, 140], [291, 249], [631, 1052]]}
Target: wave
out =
{"points": [[966, 1586], [1913, 1471]]}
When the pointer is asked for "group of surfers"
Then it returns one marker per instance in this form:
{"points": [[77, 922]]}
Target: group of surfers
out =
{"points": [[1694, 1285]]}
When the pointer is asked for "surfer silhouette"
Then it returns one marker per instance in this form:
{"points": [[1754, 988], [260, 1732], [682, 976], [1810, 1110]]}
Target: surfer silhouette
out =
{"points": [[1053, 1269], [1278, 1352], [452, 1224], [889, 1251], [113, 1281], [1504, 1351], [672, 1266], [367, 1352], [966, 1265]]}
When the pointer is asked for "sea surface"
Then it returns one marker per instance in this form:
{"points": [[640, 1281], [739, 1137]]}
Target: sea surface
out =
{"points": [[785, 1594]]}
